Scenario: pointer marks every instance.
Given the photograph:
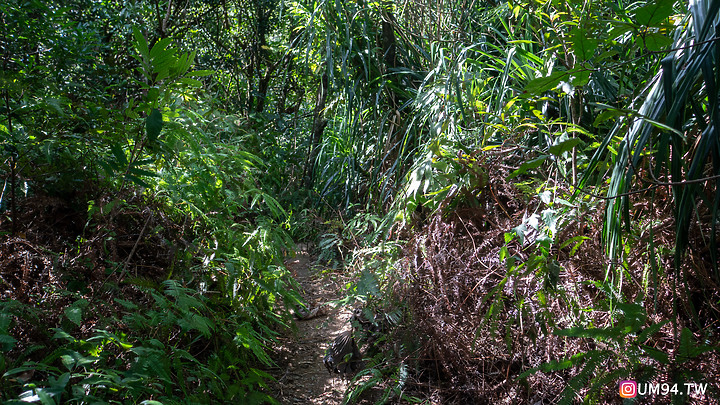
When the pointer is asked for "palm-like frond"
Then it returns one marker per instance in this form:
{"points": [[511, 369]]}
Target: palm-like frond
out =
{"points": [[683, 96]]}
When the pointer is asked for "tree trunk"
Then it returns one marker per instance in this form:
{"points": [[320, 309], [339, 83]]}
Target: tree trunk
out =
{"points": [[319, 124]]}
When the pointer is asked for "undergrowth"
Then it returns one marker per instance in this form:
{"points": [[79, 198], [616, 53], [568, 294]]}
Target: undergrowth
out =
{"points": [[157, 275]]}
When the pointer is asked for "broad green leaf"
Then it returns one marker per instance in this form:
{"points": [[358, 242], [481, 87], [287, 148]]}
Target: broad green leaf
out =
{"points": [[542, 84], [606, 115], [74, 314], [553, 273], [153, 125], [200, 73], [182, 64], [583, 44], [533, 164], [72, 359], [141, 44], [654, 13], [564, 146], [159, 52], [61, 334], [119, 154], [190, 82], [657, 42], [580, 77], [153, 94]]}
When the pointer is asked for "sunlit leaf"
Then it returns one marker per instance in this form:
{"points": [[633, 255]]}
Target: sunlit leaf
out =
{"points": [[529, 165], [542, 84], [74, 314], [564, 146], [201, 73], [580, 77]]}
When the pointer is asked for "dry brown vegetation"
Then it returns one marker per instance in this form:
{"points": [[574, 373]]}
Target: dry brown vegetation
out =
{"points": [[63, 255], [483, 322]]}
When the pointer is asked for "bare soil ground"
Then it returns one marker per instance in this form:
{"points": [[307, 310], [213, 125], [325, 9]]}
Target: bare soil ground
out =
{"points": [[301, 375]]}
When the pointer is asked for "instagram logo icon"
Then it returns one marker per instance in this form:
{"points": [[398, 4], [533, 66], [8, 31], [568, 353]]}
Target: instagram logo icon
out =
{"points": [[628, 389]]}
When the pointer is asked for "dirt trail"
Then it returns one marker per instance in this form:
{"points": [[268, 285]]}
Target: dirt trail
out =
{"points": [[302, 377]]}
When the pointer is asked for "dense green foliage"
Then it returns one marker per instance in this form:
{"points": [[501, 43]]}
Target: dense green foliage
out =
{"points": [[161, 158]]}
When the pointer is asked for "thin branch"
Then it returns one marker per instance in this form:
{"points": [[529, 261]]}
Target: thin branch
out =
{"points": [[132, 252]]}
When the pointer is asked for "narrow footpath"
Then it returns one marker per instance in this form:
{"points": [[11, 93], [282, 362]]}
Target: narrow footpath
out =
{"points": [[302, 377]]}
